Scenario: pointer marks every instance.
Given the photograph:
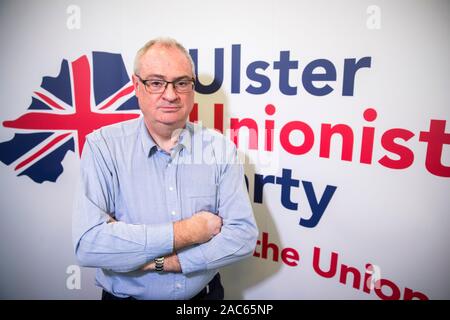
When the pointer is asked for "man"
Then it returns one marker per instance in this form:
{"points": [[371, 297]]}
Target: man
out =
{"points": [[162, 202]]}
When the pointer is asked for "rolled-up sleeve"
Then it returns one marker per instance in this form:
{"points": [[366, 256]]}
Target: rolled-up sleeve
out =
{"points": [[116, 246], [239, 232]]}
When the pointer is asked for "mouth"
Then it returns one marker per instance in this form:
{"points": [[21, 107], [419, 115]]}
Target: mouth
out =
{"points": [[169, 108]]}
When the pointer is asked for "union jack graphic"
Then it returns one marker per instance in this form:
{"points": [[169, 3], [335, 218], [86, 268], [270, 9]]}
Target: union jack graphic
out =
{"points": [[86, 95]]}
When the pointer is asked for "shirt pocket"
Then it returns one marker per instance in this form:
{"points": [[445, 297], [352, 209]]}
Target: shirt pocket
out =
{"points": [[203, 203], [201, 189]]}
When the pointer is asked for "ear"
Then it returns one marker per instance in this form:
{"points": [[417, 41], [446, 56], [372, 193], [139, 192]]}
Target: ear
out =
{"points": [[135, 83]]}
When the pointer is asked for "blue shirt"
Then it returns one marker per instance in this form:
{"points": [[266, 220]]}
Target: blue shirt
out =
{"points": [[124, 174]]}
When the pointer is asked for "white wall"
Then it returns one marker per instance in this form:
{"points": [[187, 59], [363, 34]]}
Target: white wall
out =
{"points": [[396, 219]]}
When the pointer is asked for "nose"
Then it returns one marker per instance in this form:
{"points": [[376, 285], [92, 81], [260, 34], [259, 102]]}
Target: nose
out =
{"points": [[169, 93]]}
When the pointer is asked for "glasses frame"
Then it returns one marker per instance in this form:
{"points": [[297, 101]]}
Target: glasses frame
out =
{"points": [[144, 82]]}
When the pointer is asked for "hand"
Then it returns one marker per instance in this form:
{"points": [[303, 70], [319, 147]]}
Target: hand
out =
{"points": [[199, 228], [149, 266], [111, 219], [204, 225]]}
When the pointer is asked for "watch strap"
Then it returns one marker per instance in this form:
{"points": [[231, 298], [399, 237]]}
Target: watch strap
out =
{"points": [[159, 264]]}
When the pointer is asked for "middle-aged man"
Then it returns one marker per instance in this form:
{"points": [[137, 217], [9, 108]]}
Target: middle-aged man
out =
{"points": [[162, 202]]}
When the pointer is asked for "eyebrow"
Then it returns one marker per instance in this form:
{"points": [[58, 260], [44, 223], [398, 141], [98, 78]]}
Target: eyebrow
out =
{"points": [[160, 76]]}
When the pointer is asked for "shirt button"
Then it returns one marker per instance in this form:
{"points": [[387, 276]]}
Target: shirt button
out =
{"points": [[173, 213], [170, 188], [178, 285]]}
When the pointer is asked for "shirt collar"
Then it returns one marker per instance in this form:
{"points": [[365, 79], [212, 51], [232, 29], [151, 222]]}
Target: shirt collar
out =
{"points": [[184, 141], [148, 144], [185, 138]]}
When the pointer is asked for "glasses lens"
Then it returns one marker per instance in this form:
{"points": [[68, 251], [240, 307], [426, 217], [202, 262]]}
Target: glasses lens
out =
{"points": [[159, 86], [155, 86], [183, 85]]}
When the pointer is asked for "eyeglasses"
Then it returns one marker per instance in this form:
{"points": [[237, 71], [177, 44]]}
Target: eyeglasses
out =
{"points": [[159, 86]]}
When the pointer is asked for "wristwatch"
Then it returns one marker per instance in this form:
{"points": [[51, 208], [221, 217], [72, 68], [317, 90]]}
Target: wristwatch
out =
{"points": [[159, 264]]}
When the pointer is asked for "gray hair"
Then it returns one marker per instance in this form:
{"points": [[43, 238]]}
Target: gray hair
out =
{"points": [[166, 42]]}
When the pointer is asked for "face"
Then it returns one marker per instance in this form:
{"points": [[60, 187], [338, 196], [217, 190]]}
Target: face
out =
{"points": [[168, 109]]}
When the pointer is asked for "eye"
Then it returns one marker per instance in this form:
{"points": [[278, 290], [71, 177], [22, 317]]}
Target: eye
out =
{"points": [[183, 83], [155, 83]]}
